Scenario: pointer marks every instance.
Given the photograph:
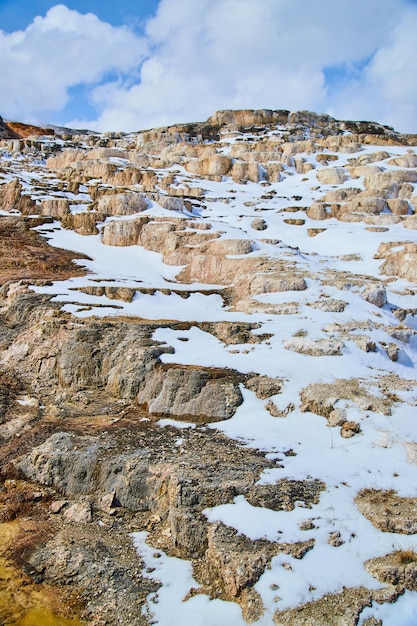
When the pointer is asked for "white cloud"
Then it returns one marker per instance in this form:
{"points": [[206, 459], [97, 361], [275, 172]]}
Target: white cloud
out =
{"points": [[386, 89], [199, 56], [214, 54], [58, 51]]}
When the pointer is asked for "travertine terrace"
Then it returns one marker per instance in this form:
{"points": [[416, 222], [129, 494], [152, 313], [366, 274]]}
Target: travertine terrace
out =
{"points": [[208, 373]]}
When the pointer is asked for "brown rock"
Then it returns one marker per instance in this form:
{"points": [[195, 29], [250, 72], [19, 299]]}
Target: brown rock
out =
{"points": [[259, 224], [407, 160], [264, 386], [319, 211], [123, 232], [56, 208], [122, 204], [398, 569], [215, 166], [58, 505], [387, 511], [332, 175], [83, 223], [335, 539], [12, 199], [398, 206], [109, 503], [80, 513], [349, 429]]}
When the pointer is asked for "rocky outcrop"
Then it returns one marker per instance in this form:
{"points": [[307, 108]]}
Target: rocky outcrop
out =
{"points": [[13, 200], [332, 176], [173, 482], [314, 347], [398, 568], [248, 118], [191, 394], [55, 207], [5, 131], [399, 259], [83, 223], [122, 204], [321, 398], [388, 511], [331, 610], [213, 167]]}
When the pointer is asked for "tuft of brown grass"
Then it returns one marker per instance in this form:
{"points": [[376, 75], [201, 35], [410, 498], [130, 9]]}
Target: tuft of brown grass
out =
{"points": [[405, 557]]}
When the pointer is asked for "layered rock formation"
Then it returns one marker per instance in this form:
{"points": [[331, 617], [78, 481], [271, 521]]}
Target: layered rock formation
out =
{"points": [[222, 359]]}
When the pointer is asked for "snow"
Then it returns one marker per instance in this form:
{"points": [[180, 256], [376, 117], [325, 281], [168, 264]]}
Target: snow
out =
{"points": [[167, 606]]}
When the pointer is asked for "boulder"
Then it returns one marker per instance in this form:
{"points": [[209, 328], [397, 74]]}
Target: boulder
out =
{"points": [[314, 347], [259, 224], [12, 199], [122, 204], [232, 247], [83, 223], [332, 175], [407, 160], [80, 513], [389, 182], [123, 232], [365, 204], [242, 171], [191, 394], [215, 166], [375, 294], [57, 207], [398, 206], [319, 211]]}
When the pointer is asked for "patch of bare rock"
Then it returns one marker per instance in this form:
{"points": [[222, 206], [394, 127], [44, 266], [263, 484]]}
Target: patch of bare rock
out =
{"points": [[387, 511], [333, 609], [161, 485]]}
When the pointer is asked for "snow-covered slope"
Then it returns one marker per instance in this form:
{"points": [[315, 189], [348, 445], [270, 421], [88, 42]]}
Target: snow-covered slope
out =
{"points": [[304, 228]]}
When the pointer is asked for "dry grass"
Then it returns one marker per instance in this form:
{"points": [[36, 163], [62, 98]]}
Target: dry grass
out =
{"points": [[405, 557]]}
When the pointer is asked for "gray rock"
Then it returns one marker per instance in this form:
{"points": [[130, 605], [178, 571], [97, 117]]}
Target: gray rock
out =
{"points": [[375, 294], [191, 394], [314, 347]]}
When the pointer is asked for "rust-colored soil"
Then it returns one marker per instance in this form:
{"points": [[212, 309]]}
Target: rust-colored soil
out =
{"points": [[25, 255], [21, 130], [23, 602]]}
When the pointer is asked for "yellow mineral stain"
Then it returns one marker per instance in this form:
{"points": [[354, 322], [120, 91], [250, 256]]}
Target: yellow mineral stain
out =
{"points": [[23, 603], [43, 617]]}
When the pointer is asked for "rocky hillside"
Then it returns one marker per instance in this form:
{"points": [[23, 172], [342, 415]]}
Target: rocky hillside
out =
{"points": [[208, 374]]}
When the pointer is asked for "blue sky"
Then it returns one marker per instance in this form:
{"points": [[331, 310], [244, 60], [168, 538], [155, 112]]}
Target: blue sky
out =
{"points": [[128, 65], [17, 14]]}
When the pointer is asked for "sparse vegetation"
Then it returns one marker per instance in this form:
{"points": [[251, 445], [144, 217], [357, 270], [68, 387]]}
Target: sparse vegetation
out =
{"points": [[405, 557], [24, 254]]}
